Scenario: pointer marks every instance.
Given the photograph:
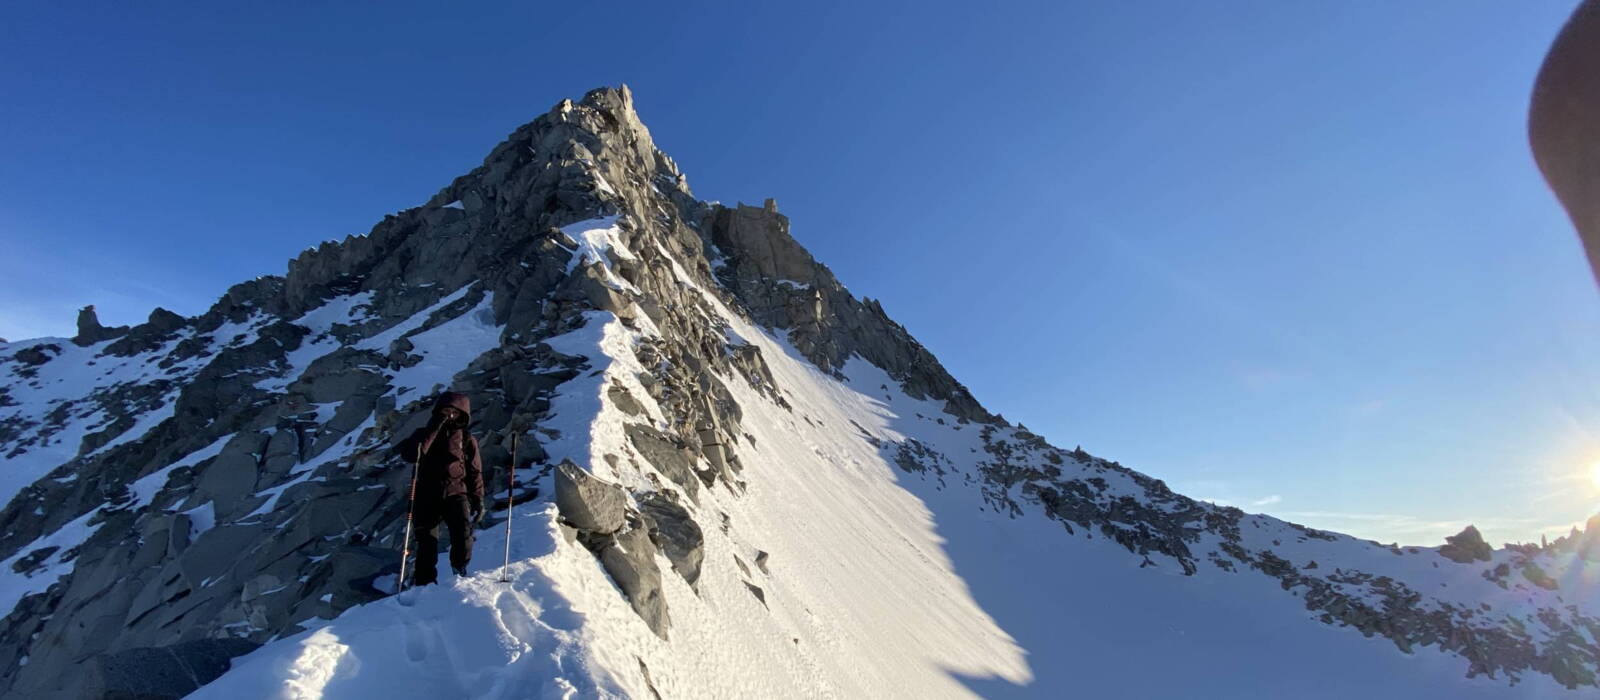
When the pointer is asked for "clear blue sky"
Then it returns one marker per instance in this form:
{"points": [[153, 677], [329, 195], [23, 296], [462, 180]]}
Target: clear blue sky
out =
{"points": [[1292, 256]]}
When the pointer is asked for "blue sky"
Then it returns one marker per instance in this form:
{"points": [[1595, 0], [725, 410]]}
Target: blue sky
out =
{"points": [[1290, 256]]}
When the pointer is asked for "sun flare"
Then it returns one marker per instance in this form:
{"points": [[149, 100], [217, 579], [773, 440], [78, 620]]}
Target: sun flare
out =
{"points": [[1594, 474]]}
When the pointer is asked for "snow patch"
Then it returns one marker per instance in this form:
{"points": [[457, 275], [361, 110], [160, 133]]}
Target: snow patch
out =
{"points": [[380, 342], [201, 519], [447, 349], [597, 240], [14, 586], [348, 309]]}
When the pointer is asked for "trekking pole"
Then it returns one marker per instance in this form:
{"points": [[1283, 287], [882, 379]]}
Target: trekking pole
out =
{"points": [[411, 506], [511, 505]]}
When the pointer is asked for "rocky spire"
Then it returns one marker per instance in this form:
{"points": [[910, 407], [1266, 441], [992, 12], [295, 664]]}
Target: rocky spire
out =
{"points": [[90, 331]]}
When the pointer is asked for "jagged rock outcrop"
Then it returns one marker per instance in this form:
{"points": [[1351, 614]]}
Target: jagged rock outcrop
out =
{"points": [[1466, 546], [90, 331], [782, 285], [676, 461], [675, 534]]}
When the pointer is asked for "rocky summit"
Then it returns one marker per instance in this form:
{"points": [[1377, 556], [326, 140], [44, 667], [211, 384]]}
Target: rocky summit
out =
{"points": [[733, 478]]}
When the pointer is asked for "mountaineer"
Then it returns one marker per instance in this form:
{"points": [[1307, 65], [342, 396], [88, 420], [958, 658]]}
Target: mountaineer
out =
{"points": [[447, 485]]}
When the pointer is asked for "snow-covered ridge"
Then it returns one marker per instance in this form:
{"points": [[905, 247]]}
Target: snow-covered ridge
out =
{"points": [[899, 459], [877, 578], [810, 505]]}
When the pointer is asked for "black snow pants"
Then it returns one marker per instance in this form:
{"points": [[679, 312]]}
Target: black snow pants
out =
{"points": [[455, 513]]}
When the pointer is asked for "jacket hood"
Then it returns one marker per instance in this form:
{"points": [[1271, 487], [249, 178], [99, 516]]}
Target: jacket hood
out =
{"points": [[455, 400]]}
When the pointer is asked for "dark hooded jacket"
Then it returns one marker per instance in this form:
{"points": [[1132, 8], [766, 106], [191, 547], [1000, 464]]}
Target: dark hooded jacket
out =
{"points": [[450, 463]]}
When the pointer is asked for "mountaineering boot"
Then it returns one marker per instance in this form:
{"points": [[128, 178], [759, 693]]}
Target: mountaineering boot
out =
{"points": [[461, 571]]}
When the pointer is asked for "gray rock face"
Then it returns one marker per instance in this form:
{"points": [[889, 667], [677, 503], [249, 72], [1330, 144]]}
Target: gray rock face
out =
{"points": [[232, 475], [160, 673], [588, 503], [760, 235], [630, 558], [675, 533], [672, 460], [1466, 546], [215, 552]]}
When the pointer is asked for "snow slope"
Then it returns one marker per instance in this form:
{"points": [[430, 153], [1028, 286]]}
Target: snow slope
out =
{"points": [[879, 583]]}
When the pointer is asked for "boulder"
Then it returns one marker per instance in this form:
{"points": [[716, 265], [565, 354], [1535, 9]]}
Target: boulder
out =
{"points": [[675, 534], [721, 464], [588, 503], [347, 417]]}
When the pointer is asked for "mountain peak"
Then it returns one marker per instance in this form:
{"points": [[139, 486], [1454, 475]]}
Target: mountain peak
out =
{"points": [[733, 477]]}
